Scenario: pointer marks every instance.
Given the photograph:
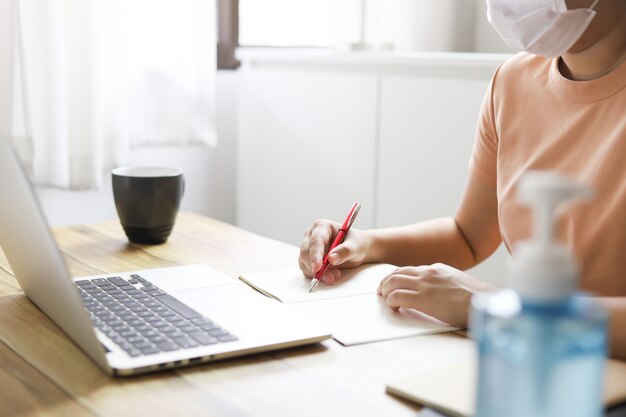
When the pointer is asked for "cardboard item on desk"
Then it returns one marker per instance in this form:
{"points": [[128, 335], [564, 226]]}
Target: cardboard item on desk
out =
{"points": [[452, 389], [351, 307]]}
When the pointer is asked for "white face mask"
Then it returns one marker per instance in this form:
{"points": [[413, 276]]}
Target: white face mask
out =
{"points": [[541, 27]]}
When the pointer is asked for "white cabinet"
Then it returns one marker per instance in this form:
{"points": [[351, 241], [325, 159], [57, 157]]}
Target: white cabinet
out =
{"points": [[318, 132], [306, 149]]}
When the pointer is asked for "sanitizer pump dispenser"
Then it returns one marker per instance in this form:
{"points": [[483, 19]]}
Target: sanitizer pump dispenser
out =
{"points": [[541, 345]]}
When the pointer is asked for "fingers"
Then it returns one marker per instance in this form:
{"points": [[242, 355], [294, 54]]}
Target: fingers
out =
{"points": [[311, 250], [401, 288], [397, 281], [321, 234], [341, 253], [331, 275], [402, 298]]}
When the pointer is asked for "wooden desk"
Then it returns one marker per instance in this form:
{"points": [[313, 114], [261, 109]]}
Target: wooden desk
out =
{"points": [[42, 372]]}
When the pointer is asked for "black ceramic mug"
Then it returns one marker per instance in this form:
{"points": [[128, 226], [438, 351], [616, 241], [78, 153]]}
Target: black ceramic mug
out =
{"points": [[147, 201]]}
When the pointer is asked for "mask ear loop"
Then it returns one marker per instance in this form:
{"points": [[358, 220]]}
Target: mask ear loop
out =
{"points": [[593, 5]]}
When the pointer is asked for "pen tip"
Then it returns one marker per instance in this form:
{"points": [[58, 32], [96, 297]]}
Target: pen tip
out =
{"points": [[314, 283]]}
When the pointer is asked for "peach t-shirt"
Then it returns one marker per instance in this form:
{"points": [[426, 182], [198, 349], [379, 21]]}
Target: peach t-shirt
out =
{"points": [[533, 118]]}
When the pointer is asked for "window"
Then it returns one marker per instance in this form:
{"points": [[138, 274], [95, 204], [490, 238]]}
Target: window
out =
{"points": [[285, 23], [288, 22]]}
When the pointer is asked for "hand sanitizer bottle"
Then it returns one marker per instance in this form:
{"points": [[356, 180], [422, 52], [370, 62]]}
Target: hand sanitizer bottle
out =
{"points": [[541, 345]]}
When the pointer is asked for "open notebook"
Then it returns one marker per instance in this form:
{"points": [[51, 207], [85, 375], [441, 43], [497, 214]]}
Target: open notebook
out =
{"points": [[351, 307], [451, 389]]}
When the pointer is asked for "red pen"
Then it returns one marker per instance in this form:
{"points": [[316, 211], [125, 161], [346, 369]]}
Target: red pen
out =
{"points": [[338, 239]]}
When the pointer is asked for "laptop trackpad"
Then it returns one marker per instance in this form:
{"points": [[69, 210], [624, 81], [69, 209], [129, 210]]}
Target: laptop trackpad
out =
{"points": [[222, 298]]}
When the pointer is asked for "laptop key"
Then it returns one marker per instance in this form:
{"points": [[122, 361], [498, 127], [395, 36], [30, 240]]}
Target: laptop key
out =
{"points": [[83, 282], [143, 328], [126, 315], [119, 295], [152, 304], [136, 339], [200, 320], [185, 342], [188, 328], [174, 319], [167, 346], [150, 350], [177, 306], [203, 338], [160, 324], [142, 345], [128, 333], [227, 338], [157, 339], [218, 332], [149, 332], [141, 296], [168, 330], [153, 319], [100, 281], [135, 322], [133, 352], [117, 281], [208, 326]]}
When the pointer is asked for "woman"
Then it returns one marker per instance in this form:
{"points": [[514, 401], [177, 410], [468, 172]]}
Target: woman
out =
{"points": [[560, 106]]}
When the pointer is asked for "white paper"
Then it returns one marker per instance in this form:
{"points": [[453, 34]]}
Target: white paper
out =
{"points": [[350, 307], [366, 318], [292, 287]]}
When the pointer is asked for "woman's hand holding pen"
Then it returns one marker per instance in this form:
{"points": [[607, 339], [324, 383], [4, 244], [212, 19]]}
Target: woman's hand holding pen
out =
{"points": [[349, 254]]}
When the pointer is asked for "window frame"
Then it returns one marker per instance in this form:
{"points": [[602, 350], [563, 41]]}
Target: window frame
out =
{"points": [[227, 34]]}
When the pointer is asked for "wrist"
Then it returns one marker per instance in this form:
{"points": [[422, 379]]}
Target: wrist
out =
{"points": [[373, 247]]}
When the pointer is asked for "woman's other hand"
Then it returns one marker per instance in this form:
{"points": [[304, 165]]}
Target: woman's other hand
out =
{"points": [[438, 290]]}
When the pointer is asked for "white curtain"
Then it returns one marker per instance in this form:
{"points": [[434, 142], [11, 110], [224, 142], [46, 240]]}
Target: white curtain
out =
{"points": [[85, 80]]}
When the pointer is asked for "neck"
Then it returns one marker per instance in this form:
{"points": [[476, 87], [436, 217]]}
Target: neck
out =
{"points": [[600, 58]]}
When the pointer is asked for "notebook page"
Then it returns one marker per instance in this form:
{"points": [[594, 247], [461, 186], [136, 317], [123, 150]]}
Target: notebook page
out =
{"points": [[292, 287], [366, 318]]}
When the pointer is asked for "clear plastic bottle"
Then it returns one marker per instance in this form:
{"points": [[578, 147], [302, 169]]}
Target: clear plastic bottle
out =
{"points": [[541, 345]]}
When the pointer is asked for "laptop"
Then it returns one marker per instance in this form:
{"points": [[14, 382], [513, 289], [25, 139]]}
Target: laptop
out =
{"points": [[138, 321]]}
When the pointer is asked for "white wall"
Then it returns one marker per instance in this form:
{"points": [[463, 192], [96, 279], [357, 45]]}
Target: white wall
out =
{"points": [[486, 39], [209, 173]]}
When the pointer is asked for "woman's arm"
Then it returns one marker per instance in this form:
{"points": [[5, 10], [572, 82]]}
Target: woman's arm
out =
{"points": [[461, 242]]}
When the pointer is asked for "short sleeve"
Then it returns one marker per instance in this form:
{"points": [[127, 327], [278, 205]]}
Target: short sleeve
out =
{"points": [[483, 163]]}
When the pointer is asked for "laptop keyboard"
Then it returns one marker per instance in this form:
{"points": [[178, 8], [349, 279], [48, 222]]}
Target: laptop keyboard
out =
{"points": [[143, 319]]}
